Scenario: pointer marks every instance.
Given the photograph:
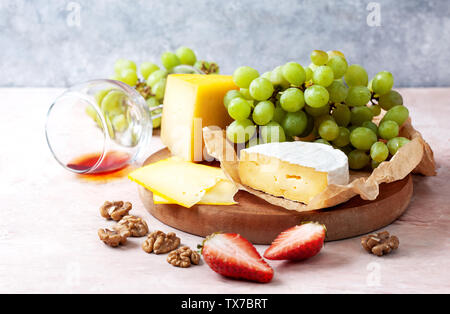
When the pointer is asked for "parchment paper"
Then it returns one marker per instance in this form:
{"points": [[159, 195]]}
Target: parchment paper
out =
{"points": [[415, 156]]}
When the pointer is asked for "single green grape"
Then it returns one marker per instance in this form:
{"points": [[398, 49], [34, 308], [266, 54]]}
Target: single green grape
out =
{"points": [[308, 74], [123, 64], [329, 130], [394, 144], [294, 73], [319, 120], [278, 114], [316, 96], [379, 152], [342, 115], [243, 76], [370, 125], [323, 76], [339, 66], [363, 138], [263, 112], [294, 123], [170, 60], [382, 83], [101, 94], [245, 92], [376, 110], [159, 88], [399, 114], [230, 95], [277, 78], [343, 138], [338, 91], [240, 131], [309, 127], [272, 132], [360, 114], [391, 99], [388, 129], [334, 53], [322, 141], [153, 102], [358, 159], [155, 77], [292, 100], [356, 75], [358, 96], [148, 68], [239, 109], [317, 112], [186, 56], [119, 123], [319, 57], [112, 103], [129, 77], [261, 89]]}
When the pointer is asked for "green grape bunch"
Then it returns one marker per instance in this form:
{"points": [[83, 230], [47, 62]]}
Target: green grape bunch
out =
{"points": [[149, 81], [330, 102]]}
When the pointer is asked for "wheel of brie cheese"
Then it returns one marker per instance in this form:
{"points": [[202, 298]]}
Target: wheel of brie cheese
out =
{"points": [[297, 170]]}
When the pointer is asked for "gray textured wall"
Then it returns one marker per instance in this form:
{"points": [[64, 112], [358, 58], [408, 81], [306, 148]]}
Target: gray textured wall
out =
{"points": [[47, 43]]}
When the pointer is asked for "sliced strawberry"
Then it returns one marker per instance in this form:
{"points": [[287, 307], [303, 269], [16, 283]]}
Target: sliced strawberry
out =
{"points": [[297, 243], [231, 255]]}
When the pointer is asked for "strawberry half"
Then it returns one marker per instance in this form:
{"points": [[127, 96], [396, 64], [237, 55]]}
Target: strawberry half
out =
{"points": [[297, 243], [231, 255]]}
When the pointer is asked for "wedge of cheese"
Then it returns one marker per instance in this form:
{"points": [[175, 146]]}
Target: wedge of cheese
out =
{"points": [[181, 182], [221, 194], [297, 171], [191, 102]]}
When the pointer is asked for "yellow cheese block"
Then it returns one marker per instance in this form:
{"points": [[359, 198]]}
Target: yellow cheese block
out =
{"points": [[178, 181], [191, 102], [221, 194], [298, 171]]}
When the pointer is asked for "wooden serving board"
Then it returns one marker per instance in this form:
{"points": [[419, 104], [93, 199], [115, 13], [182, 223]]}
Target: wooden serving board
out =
{"points": [[260, 222]]}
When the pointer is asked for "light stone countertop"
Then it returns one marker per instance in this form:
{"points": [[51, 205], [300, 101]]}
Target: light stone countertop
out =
{"points": [[49, 222]]}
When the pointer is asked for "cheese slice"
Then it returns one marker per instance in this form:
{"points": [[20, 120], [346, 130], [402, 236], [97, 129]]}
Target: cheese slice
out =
{"points": [[221, 194], [297, 170], [191, 102], [178, 181]]}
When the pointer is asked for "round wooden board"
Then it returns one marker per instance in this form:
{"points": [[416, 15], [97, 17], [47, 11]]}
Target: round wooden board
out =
{"points": [[260, 222]]}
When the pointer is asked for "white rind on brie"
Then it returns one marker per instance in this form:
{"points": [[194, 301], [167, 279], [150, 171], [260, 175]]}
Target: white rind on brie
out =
{"points": [[320, 157]]}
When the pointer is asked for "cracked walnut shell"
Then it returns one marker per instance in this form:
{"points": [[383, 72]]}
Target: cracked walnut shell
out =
{"points": [[115, 210], [380, 244], [183, 257], [159, 243], [113, 238], [135, 225]]}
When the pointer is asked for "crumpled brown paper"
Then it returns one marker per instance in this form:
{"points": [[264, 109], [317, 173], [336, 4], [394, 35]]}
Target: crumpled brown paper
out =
{"points": [[416, 156]]}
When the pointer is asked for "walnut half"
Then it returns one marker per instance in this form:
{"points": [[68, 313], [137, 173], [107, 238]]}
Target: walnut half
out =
{"points": [[113, 238], [380, 244], [115, 210], [183, 257], [159, 243], [135, 225]]}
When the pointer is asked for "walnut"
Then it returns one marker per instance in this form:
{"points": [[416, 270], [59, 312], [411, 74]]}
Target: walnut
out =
{"points": [[380, 244], [159, 243], [113, 238], [135, 225], [183, 257], [115, 210]]}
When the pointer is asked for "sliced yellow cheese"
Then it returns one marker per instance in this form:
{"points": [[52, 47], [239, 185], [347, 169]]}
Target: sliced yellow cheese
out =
{"points": [[294, 170], [191, 102], [221, 194], [178, 181]]}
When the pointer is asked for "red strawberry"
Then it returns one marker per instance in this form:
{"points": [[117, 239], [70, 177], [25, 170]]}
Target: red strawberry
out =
{"points": [[231, 255], [297, 243]]}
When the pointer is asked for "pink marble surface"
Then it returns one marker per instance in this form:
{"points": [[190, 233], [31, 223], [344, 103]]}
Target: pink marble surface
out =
{"points": [[49, 221]]}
